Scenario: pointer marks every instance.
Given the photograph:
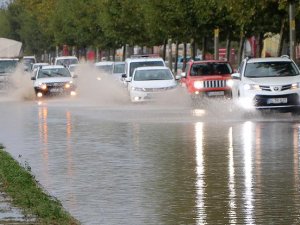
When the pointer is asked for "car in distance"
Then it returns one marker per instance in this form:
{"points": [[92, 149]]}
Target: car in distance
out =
{"points": [[35, 66], [7, 67], [208, 78], [118, 69], [66, 60], [105, 66], [148, 83], [28, 61], [53, 80], [136, 61], [267, 83]]}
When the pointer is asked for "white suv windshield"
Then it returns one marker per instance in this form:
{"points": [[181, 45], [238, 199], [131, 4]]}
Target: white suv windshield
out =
{"points": [[135, 65], [271, 69], [144, 75], [66, 62]]}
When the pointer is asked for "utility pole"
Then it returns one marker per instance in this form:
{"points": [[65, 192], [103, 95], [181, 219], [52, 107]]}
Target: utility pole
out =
{"points": [[292, 29], [216, 43]]}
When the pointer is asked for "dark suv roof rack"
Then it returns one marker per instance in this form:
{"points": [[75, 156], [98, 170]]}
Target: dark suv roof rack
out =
{"points": [[285, 56], [248, 57], [145, 56]]}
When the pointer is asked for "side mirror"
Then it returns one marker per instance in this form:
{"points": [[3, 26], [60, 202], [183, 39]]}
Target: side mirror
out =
{"points": [[33, 78], [128, 79], [177, 77], [236, 76], [183, 74]]}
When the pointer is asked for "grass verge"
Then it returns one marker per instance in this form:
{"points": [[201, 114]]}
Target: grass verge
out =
{"points": [[26, 193]]}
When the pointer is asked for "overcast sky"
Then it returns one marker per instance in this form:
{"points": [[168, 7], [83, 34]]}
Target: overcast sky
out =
{"points": [[3, 2]]}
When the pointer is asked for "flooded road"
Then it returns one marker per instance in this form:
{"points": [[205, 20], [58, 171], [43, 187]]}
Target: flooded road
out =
{"points": [[146, 164]]}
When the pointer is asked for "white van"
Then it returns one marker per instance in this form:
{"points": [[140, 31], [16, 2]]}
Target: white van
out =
{"points": [[66, 60], [140, 61]]}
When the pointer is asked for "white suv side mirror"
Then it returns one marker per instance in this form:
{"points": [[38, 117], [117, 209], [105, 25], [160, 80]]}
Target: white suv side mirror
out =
{"points": [[236, 76]]}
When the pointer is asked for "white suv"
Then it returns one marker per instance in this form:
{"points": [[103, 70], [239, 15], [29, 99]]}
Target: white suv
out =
{"points": [[139, 61], [267, 83], [66, 60]]}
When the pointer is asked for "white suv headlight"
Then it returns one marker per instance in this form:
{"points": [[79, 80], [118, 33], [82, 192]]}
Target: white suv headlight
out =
{"points": [[295, 85], [198, 84], [252, 87]]}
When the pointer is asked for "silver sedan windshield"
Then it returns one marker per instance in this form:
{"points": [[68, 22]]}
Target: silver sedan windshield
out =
{"points": [[57, 72]]}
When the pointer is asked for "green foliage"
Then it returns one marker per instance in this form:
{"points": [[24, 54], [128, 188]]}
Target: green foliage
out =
{"points": [[4, 24], [21, 186], [110, 24]]}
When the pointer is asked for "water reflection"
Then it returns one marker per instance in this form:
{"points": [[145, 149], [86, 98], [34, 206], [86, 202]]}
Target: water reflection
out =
{"points": [[231, 184], [200, 170], [247, 148], [44, 139], [43, 134]]}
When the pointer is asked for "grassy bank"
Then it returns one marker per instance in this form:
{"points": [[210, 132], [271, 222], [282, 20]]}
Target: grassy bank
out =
{"points": [[18, 183]]}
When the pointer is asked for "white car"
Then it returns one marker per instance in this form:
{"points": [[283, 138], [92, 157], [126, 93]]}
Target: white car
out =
{"points": [[148, 83], [105, 66], [118, 70], [36, 65], [267, 83], [53, 80], [66, 60]]}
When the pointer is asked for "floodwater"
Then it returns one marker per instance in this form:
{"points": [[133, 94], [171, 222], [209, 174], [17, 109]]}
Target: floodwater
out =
{"points": [[112, 162]]}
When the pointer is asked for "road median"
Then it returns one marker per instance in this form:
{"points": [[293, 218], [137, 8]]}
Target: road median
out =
{"points": [[25, 192]]}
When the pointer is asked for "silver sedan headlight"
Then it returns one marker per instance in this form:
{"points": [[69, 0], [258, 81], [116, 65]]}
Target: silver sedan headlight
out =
{"points": [[42, 86]]}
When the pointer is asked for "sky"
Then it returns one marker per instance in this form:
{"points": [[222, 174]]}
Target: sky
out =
{"points": [[3, 2]]}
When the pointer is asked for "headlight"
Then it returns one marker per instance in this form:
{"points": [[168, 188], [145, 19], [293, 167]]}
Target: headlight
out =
{"points": [[137, 89], [198, 84], [295, 86], [67, 85], [252, 87], [43, 86], [229, 83]]}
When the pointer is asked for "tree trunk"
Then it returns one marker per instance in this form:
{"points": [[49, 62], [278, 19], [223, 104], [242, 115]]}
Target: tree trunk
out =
{"points": [[170, 53], [281, 37], [176, 58], [260, 45], [184, 56], [228, 48], [203, 48], [193, 48], [241, 48], [165, 50], [114, 55], [124, 53]]}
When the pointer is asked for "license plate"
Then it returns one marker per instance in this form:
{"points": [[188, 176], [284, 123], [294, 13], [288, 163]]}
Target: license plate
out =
{"points": [[276, 100], [55, 90], [215, 93]]}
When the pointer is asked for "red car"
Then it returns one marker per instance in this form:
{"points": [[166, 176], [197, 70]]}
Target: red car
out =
{"points": [[208, 78]]}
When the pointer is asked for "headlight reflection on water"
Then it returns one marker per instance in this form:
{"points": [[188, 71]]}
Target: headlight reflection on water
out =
{"points": [[198, 112], [248, 194]]}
